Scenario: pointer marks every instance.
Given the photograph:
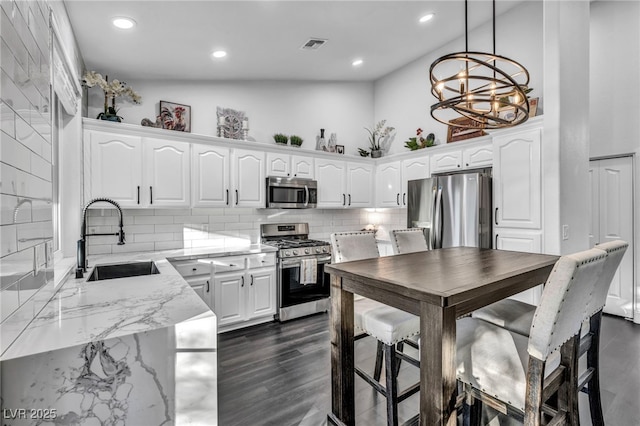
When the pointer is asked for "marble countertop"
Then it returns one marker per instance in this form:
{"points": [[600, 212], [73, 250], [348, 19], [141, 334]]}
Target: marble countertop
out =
{"points": [[136, 350]]}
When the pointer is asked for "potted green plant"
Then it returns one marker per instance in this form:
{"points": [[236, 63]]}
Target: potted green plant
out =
{"points": [[378, 136], [280, 138], [296, 140]]}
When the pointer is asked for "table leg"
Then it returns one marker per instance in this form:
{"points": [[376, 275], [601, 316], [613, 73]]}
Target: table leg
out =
{"points": [[437, 365], [342, 364]]}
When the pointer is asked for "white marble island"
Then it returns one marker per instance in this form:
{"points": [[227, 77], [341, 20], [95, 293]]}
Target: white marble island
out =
{"points": [[129, 351]]}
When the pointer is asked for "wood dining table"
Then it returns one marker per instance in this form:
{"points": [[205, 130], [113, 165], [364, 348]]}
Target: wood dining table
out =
{"points": [[437, 285]]}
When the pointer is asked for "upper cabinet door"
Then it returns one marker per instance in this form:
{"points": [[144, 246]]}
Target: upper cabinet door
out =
{"points": [[302, 166], [331, 183], [278, 164], [249, 178], [517, 180], [359, 185], [388, 185], [113, 169], [446, 161], [210, 176], [415, 168], [167, 171], [478, 156]]}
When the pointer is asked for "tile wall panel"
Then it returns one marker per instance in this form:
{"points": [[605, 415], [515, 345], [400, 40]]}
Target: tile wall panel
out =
{"points": [[26, 227], [166, 229]]}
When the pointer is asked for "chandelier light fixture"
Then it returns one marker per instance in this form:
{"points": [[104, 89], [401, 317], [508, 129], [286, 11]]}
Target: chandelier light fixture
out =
{"points": [[489, 90]]}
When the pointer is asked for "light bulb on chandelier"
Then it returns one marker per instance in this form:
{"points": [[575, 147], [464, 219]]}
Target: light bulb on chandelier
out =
{"points": [[488, 89]]}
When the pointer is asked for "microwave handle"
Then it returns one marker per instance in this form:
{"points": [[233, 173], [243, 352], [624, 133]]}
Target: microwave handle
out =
{"points": [[306, 195]]}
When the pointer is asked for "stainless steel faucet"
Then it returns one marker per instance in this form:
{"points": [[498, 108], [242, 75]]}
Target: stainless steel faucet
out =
{"points": [[82, 242]]}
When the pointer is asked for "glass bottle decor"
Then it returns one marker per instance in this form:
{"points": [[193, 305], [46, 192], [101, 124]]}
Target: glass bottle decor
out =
{"points": [[321, 145]]}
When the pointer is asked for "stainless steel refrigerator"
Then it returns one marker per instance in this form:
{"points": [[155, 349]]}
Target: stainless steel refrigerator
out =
{"points": [[454, 210]]}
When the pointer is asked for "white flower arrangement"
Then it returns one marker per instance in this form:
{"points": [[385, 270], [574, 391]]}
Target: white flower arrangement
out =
{"points": [[112, 90], [379, 136]]}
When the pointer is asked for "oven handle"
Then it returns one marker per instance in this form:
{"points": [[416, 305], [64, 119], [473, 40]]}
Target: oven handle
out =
{"points": [[289, 263], [306, 193]]}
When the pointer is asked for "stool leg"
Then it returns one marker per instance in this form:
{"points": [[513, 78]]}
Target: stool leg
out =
{"points": [[593, 361], [399, 348], [377, 371], [392, 384]]}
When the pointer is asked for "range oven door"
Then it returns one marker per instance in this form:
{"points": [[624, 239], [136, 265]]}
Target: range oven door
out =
{"points": [[291, 292]]}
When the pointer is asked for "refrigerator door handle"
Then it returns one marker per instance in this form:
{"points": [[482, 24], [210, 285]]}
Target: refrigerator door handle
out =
{"points": [[436, 224]]}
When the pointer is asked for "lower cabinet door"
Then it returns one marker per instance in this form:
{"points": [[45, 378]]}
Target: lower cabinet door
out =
{"points": [[228, 300], [525, 241], [261, 293]]}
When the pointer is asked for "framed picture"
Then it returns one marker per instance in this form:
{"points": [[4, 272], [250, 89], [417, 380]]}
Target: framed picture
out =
{"points": [[340, 149], [175, 116], [533, 107], [456, 133], [232, 124]]}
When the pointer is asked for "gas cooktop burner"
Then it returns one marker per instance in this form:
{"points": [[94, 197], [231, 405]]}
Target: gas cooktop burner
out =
{"points": [[287, 244], [291, 239]]}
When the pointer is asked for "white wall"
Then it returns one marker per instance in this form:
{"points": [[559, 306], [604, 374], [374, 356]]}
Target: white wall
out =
{"points": [[292, 107], [404, 99], [615, 83]]}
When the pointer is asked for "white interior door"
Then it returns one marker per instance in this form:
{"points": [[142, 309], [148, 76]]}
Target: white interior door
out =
{"points": [[612, 219]]}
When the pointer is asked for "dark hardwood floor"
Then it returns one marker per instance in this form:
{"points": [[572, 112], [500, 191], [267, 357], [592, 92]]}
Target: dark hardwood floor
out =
{"points": [[279, 374]]}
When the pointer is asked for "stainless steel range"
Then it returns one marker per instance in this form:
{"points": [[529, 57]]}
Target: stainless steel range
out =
{"points": [[303, 286]]}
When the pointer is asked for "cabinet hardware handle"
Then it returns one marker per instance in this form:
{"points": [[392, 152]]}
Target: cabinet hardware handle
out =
{"points": [[344, 200], [207, 286], [467, 164], [349, 199], [496, 216], [496, 246], [232, 264], [138, 194], [398, 198], [404, 199], [251, 279], [194, 269], [458, 165], [227, 202], [242, 284], [151, 194], [263, 261], [236, 197]]}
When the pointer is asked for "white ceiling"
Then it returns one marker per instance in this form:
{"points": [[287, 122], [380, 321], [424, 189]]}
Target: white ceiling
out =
{"points": [[174, 39]]}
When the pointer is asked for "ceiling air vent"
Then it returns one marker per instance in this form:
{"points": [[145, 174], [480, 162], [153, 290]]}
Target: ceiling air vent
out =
{"points": [[313, 44]]}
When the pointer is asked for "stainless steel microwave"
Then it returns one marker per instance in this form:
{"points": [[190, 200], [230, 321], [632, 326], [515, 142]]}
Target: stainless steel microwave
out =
{"points": [[291, 193]]}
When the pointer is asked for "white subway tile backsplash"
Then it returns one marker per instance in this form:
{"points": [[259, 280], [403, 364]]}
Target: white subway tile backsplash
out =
{"points": [[14, 153], [207, 211], [8, 241], [235, 226], [132, 247], [171, 212], [28, 136], [9, 301], [40, 167], [169, 245], [191, 219], [166, 228], [100, 249], [7, 120], [139, 229], [224, 219], [143, 238], [152, 220]]}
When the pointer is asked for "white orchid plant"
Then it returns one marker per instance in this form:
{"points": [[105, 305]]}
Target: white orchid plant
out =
{"points": [[112, 90], [379, 135]]}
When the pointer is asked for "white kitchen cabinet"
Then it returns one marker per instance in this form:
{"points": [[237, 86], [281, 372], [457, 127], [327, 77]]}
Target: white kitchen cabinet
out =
{"points": [[248, 178], [167, 173], [477, 156], [210, 182], [285, 165], [244, 293], [359, 187], [136, 171], [517, 180], [446, 161], [331, 182], [344, 184], [113, 167], [389, 184], [525, 241]]}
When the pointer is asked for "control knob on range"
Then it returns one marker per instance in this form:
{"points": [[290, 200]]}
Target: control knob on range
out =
{"points": [[287, 253], [306, 251], [295, 252], [318, 250], [324, 249]]}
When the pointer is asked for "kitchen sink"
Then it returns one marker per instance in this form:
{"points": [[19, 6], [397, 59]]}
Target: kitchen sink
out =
{"points": [[123, 270]]}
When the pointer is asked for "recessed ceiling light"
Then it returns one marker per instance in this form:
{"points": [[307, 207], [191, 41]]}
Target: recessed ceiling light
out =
{"points": [[219, 54], [427, 17], [124, 23], [357, 62]]}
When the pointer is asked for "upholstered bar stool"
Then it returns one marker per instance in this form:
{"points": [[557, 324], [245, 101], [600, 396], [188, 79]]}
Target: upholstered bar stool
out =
{"points": [[517, 374], [517, 316], [390, 326], [408, 240]]}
